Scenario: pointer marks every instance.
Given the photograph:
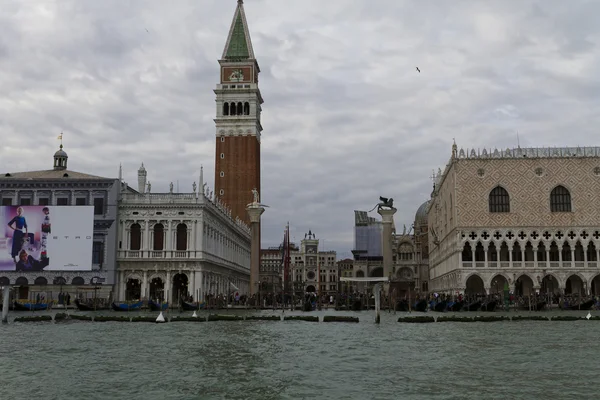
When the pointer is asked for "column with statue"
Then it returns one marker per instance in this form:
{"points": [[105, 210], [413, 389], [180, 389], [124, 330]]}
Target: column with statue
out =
{"points": [[386, 209], [255, 210]]}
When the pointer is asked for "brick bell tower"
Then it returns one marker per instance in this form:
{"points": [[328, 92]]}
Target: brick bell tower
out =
{"points": [[237, 160]]}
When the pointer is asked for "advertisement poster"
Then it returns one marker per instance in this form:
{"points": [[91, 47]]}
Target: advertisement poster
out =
{"points": [[46, 238]]}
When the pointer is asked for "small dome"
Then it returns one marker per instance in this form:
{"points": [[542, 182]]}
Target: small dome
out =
{"points": [[421, 215], [61, 153], [60, 159]]}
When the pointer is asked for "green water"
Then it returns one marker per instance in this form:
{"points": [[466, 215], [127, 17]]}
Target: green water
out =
{"points": [[300, 360]]}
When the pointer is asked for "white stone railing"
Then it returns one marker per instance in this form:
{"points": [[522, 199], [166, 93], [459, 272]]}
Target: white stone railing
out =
{"points": [[143, 255], [160, 198], [530, 264]]}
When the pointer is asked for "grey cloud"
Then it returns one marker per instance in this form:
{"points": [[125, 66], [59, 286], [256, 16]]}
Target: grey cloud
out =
{"points": [[346, 116]]}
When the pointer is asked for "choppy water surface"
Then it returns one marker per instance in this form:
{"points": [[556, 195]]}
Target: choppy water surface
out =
{"points": [[300, 360]]}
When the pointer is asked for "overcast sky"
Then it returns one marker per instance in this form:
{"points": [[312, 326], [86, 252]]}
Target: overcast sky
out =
{"points": [[346, 116]]}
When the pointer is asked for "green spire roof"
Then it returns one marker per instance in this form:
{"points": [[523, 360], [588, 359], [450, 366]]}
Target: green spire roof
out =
{"points": [[238, 46]]}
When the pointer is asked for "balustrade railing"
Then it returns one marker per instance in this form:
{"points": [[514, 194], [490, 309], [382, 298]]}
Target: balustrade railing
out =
{"points": [[179, 254], [531, 264]]}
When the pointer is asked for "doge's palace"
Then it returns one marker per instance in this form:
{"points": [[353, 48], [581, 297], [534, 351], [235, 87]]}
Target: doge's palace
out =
{"points": [[526, 217]]}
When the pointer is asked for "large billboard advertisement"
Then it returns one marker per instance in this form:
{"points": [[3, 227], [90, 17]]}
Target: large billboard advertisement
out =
{"points": [[46, 238]]}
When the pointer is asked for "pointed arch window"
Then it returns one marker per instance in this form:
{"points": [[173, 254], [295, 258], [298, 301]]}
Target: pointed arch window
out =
{"points": [[560, 199], [499, 200]]}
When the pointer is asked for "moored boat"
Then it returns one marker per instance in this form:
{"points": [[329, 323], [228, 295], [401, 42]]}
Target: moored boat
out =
{"points": [[489, 306], [457, 306], [88, 307], [30, 306], [185, 306], [473, 306], [402, 305], [127, 307], [582, 306], [441, 306], [157, 306], [421, 306]]}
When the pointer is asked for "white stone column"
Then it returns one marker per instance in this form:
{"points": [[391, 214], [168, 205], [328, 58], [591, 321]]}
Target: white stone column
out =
{"points": [[547, 257], [387, 219], [146, 242], [123, 285], [170, 246], [168, 289], [192, 287], [255, 211], [510, 254], [200, 277], [485, 254], [572, 257], [144, 288]]}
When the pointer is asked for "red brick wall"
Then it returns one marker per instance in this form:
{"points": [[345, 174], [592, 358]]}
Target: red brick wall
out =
{"points": [[241, 165]]}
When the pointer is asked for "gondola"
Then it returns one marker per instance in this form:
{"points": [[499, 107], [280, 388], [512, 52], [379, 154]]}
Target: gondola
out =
{"points": [[157, 306], [582, 306], [185, 306], [534, 307], [441, 306], [489, 306], [473, 306], [421, 306], [87, 307], [307, 306], [457, 306], [30, 306], [356, 305], [127, 307], [402, 305]]}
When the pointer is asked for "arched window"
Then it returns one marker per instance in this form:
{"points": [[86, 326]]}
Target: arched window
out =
{"points": [[232, 109], [135, 237], [159, 237], [225, 108], [240, 108], [499, 200], [181, 237], [246, 108], [560, 199]]}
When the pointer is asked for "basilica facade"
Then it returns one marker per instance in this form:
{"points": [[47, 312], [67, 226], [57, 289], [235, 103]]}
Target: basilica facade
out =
{"points": [[524, 219]]}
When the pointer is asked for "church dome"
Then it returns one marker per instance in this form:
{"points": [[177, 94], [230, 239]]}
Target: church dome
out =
{"points": [[421, 215]]}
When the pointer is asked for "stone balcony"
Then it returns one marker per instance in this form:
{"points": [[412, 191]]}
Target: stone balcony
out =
{"points": [[531, 264], [179, 255]]}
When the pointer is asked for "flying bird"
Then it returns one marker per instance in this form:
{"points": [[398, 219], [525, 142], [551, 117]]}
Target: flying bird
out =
{"points": [[418, 70], [147, 30]]}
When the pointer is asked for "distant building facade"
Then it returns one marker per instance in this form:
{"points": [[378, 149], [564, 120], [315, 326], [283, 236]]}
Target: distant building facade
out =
{"points": [[174, 245], [525, 218], [311, 268], [367, 252], [63, 187]]}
